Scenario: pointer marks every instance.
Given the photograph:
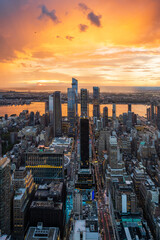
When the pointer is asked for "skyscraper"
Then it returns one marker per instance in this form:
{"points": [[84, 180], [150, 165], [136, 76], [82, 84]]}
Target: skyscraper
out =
{"points": [[57, 114], [71, 110], [32, 120], [5, 195], [114, 111], [129, 107], [96, 107], [84, 143], [152, 111], [148, 114], [113, 151], [75, 87], [51, 108], [84, 102], [105, 117]]}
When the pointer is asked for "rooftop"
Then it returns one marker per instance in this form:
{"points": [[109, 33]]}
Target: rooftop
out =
{"points": [[46, 204], [113, 140], [19, 193], [44, 233]]}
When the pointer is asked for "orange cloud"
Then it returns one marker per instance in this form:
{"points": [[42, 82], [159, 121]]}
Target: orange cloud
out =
{"points": [[122, 50]]}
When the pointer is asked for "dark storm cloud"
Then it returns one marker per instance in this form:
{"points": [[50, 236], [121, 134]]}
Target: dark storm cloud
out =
{"points": [[94, 19], [83, 6], [49, 14], [83, 27], [70, 38]]}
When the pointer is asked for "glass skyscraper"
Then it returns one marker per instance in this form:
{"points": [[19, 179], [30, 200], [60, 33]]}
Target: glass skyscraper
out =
{"points": [[75, 87], [96, 100], [105, 117], [84, 143], [51, 108], [71, 110]]}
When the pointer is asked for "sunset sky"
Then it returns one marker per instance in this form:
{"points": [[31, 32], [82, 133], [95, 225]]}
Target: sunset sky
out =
{"points": [[44, 43]]}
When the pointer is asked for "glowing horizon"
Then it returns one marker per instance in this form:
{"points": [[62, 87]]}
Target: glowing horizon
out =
{"points": [[43, 44]]}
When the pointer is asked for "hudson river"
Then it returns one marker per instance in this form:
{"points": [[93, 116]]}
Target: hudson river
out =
{"points": [[40, 106]]}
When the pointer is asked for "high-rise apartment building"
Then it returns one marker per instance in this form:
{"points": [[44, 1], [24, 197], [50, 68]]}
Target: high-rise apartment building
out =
{"points": [[96, 101], [105, 117], [5, 195], [57, 114], [84, 102], [75, 87], [84, 142], [71, 110], [114, 111]]}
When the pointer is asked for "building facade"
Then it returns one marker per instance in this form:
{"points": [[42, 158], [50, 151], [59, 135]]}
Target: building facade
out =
{"points": [[57, 114], [71, 110], [5, 195], [84, 103], [96, 102]]}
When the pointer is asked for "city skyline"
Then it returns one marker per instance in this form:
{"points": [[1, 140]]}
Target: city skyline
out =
{"points": [[45, 43]]}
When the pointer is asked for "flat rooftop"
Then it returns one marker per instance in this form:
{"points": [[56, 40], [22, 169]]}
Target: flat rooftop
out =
{"points": [[113, 140], [44, 233], [19, 193], [46, 204]]}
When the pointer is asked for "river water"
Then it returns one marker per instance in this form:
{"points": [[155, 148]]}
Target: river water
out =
{"points": [[139, 109]]}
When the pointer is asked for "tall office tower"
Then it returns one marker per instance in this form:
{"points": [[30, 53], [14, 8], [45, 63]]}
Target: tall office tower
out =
{"points": [[125, 118], [51, 108], [158, 117], [96, 100], [84, 103], [114, 111], [57, 114], [47, 106], [5, 195], [71, 110], [105, 117], [75, 87], [129, 107], [84, 143], [148, 114], [130, 119], [31, 119], [113, 152], [152, 111]]}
